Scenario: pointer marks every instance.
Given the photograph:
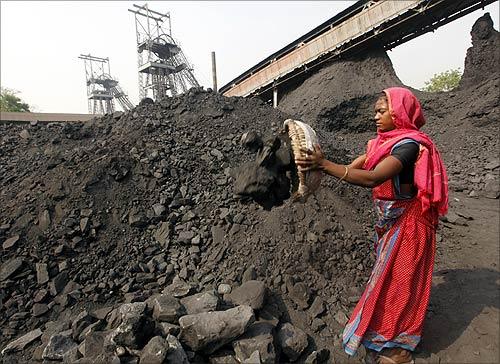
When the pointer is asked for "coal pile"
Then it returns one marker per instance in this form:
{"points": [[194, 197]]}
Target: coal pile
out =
{"points": [[483, 57], [119, 208], [117, 231], [339, 96]]}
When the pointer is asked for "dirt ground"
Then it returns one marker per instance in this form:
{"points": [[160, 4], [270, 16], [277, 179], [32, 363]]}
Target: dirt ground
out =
{"points": [[463, 317]]}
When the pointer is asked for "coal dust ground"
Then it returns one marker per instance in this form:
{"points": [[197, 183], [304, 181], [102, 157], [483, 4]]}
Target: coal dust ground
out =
{"points": [[140, 207]]}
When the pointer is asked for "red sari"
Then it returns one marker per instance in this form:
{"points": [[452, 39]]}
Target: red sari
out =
{"points": [[391, 311]]}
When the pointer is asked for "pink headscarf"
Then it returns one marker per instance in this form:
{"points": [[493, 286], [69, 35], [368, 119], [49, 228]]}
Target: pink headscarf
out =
{"points": [[430, 177]]}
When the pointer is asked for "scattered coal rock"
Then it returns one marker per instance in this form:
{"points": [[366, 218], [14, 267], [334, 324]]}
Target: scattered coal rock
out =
{"points": [[58, 346], [155, 351], [292, 340], [265, 180], [124, 333], [22, 342], [201, 302], [135, 326], [250, 293], [252, 141], [209, 331], [258, 338]]}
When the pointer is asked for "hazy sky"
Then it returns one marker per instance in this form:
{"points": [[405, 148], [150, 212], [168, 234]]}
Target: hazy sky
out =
{"points": [[41, 42]]}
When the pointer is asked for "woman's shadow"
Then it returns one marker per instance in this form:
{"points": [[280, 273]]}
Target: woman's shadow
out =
{"points": [[459, 296]]}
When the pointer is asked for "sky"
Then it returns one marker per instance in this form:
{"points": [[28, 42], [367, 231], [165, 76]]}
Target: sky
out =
{"points": [[41, 42]]}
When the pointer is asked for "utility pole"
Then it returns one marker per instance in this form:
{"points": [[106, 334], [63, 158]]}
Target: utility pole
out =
{"points": [[214, 72]]}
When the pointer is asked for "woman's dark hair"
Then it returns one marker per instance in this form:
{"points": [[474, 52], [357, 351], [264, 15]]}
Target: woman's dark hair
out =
{"points": [[382, 96]]}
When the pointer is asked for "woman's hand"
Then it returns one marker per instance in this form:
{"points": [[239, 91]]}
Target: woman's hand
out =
{"points": [[314, 159]]}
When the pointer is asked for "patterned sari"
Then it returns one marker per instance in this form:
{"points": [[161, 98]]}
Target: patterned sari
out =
{"points": [[392, 308]]}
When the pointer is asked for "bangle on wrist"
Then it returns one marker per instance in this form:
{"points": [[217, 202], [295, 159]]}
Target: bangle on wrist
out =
{"points": [[345, 174]]}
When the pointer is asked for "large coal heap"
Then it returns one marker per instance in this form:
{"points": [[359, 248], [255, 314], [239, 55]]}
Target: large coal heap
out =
{"points": [[334, 97], [483, 58], [99, 186], [121, 207], [139, 207]]}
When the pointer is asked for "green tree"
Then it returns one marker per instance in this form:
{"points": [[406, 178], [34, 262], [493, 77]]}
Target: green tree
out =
{"points": [[10, 102], [444, 81]]}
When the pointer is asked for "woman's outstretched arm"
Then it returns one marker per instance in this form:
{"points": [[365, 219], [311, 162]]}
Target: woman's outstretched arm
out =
{"points": [[352, 173]]}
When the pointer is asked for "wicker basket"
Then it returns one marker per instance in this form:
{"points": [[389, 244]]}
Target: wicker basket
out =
{"points": [[302, 136]]}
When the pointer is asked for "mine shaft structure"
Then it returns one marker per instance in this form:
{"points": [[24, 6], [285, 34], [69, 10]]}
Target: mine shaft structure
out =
{"points": [[163, 68], [102, 89]]}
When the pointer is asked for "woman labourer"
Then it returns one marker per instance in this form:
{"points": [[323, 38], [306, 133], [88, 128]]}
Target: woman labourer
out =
{"points": [[410, 191]]}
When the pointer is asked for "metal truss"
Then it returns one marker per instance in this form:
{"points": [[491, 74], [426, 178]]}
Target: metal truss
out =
{"points": [[163, 68], [102, 89]]}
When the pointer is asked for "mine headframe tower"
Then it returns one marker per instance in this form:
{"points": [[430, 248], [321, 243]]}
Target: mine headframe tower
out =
{"points": [[102, 89], [163, 68]]}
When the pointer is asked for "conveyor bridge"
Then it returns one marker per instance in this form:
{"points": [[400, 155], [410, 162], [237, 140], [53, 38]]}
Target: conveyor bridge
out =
{"points": [[366, 23]]}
